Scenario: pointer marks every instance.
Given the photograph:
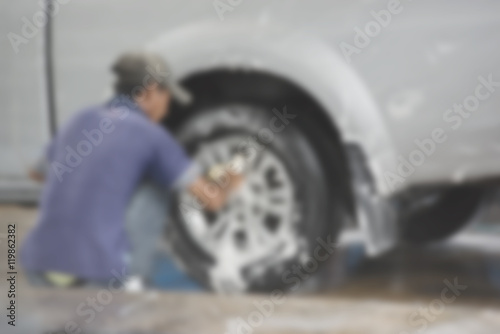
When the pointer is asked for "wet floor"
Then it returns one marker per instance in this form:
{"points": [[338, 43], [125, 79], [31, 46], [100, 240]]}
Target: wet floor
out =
{"points": [[472, 257], [359, 292], [409, 272]]}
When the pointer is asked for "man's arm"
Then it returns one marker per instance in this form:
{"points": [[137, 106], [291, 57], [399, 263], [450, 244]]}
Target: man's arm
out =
{"points": [[174, 169], [38, 171]]}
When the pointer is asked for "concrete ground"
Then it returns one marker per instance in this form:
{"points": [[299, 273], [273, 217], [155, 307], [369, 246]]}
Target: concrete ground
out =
{"points": [[451, 287]]}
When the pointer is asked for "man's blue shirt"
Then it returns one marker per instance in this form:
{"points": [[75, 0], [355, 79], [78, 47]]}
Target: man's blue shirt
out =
{"points": [[95, 163]]}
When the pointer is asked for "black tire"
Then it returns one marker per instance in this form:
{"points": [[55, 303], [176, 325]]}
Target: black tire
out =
{"points": [[436, 215], [322, 211]]}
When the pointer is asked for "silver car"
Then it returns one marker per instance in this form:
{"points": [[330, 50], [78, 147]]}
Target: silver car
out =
{"points": [[383, 114]]}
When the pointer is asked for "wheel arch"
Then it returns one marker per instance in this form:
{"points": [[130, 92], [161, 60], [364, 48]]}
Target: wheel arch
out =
{"points": [[301, 59], [234, 87]]}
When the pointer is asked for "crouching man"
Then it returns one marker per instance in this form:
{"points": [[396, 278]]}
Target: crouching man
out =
{"points": [[103, 162]]}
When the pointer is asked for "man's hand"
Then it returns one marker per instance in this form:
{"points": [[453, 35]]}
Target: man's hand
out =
{"points": [[214, 190], [212, 195], [36, 175]]}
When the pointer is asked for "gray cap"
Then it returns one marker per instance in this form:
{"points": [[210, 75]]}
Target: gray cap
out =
{"points": [[141, 68]]}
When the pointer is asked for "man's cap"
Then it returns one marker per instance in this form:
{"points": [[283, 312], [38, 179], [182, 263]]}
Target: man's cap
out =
{"points": [[142, 68]]}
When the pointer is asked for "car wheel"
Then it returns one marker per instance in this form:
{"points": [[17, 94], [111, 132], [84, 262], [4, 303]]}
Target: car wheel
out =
{"points": [[273, 222]]}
